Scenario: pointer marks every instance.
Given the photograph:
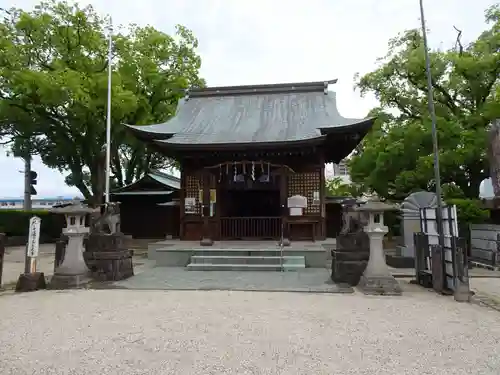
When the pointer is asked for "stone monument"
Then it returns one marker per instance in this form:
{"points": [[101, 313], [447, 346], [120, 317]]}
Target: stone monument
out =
{"points": [[410, 209], [107, 254], [376, 278], [73, 271], [351, 254]]}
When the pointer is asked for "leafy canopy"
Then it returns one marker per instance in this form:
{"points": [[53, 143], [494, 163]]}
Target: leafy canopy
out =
{"points": [[396, 158], [53, 89]]}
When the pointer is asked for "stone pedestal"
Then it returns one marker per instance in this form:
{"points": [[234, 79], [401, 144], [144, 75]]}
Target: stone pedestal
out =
{"points": [[108, 257], [29, 282], [350, 258], [206, 241], [376, 278], [73, 272]]}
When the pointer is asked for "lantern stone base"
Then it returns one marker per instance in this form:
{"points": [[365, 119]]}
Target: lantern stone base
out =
{"points": [[380, 285], [29, 282], [347, 267], [61, 281], [107, 257], [350, 258]]}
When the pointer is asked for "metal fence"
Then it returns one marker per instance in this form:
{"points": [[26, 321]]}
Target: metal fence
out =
{"points": [[485, 245]]}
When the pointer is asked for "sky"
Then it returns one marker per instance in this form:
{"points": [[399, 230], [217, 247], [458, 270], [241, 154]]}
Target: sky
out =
{"points": [[274, 41]]}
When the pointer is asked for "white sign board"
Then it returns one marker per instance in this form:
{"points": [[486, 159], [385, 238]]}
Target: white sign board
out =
{"points": [[34, 237]]}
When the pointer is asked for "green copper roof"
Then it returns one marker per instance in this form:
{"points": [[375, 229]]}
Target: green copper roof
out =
{"points": [[168, 181], [253, 114]]}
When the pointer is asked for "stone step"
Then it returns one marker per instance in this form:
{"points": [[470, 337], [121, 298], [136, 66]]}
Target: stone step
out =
{"points": [[266, 252], [245, 259], [242, 267]]}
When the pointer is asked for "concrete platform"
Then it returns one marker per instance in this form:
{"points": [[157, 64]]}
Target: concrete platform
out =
{"points": [[176, 253], [245, 263], [313, 280]]}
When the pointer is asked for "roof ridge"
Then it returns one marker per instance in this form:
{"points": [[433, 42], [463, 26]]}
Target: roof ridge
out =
{"points": [[276, 88], [163, 174]]}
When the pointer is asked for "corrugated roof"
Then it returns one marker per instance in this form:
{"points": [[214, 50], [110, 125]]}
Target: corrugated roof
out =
{"points": [[249, 114]]}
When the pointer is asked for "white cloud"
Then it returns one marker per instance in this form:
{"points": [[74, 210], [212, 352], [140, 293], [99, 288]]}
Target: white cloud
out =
{"points": [[263, 41]]}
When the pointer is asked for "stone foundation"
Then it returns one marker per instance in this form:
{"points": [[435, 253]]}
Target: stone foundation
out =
{"points": [[387, 286], [61, 281], [350, 258], [107, 257], [29, 282]]}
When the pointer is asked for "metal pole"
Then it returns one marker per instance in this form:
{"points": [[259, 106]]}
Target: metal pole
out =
{"points": [[27, 183], [27, 202], [432, 112], [108, 118]]}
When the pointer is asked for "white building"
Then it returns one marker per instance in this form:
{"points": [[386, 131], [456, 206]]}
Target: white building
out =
{"points": [[338, 170], [36, 203]]}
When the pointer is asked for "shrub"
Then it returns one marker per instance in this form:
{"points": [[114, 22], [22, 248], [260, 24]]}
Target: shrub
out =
{"points": [[15, 223], [469, 211]]}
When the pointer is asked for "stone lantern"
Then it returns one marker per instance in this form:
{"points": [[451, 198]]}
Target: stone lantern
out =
{"points": [[376, 278], [73, 271]]}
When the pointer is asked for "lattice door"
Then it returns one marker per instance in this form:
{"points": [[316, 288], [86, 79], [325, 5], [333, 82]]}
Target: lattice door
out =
{"points": [[305, 184], [192, 190]]}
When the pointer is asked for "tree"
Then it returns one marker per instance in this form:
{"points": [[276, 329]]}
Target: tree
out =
{"points": [[396, 158], [336, 187], [53, 87]]}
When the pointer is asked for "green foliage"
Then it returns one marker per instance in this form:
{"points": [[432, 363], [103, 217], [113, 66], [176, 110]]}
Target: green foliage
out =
{"points": [[396, 158], [469, 211], [336, 187], [53, 89], [16, 223]]}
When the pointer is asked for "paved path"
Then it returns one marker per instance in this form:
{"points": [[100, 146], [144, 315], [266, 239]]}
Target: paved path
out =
{"points": [[153, 332], [179, 278]]}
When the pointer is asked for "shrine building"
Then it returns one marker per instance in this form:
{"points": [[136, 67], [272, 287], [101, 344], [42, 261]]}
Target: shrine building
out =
{"points": [[253, 159]]}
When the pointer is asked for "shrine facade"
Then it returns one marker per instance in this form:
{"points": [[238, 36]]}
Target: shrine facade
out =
{"points": [[252, 159]]}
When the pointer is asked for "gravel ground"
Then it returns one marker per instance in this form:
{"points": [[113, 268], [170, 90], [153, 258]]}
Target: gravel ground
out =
{"points": [[196, 332]]}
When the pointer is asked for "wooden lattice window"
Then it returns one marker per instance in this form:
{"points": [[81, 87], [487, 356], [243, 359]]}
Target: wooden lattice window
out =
{"points": [[192, 190], [305, 184]]}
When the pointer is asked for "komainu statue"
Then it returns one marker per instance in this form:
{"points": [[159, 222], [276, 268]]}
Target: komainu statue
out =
{"points": [[109, 221], [350, 256], [352, 221], [494, 155]]}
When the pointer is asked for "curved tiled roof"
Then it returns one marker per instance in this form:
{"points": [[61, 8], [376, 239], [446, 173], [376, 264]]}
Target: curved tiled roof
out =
{"points": [[252, 114]]}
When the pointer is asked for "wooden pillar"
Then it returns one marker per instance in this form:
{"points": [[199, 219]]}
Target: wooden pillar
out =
{"points": [[322, 191], [284, 205], [182, 207], [206, 239]]}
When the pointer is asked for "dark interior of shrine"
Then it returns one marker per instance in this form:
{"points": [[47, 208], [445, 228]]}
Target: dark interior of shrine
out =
{"points": [[250, 203]]}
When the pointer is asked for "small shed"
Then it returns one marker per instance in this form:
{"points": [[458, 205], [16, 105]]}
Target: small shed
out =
{"points": [[147, 209]]}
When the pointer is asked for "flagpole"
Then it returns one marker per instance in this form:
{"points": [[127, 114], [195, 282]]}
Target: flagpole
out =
{"points": [[432, 112], [108, 117]]}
